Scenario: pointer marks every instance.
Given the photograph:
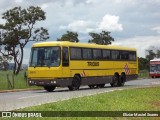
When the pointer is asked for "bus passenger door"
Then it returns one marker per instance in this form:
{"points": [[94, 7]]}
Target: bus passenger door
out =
{"points": [[65, 62]]}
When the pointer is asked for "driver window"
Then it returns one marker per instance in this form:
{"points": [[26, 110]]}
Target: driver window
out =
{"points": [[65, 57]]}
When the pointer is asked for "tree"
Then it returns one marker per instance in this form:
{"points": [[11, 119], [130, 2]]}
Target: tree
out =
{"points": [[18, 30], [102, 38], [153, 52], [158, 53], [4, 62], [151, 55], [143, 63], [69, 36]]}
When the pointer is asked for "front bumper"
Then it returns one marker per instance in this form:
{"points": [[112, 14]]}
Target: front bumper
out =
{"points": [[50, 82], [154, 75]]}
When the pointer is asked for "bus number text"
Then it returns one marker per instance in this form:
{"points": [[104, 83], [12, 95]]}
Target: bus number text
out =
{"points": [[93, 63]]}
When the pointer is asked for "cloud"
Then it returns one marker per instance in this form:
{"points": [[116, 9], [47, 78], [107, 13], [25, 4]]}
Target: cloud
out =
{"points": [[142, 43], [108, 23], [157, 29], [124, 18], [44, 6], [80, 26], [2, 21], [18, 1]]}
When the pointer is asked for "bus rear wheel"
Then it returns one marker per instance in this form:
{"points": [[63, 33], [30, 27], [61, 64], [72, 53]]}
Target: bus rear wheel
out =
{"points": [[76, 82], [122, 80], [49, 88]]}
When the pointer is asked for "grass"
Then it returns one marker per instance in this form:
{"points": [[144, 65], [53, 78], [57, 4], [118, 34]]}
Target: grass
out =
{"points": [[143, 74], [141, 99], [19, 81]]}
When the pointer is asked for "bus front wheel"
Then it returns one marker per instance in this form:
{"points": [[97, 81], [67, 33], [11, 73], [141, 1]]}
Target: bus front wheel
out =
{"points": [[115, 81], [49, 88], [76, 82]]}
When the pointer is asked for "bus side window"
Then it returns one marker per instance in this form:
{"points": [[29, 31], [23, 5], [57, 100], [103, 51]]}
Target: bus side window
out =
{"points": [[132, 55], [65, 57]]}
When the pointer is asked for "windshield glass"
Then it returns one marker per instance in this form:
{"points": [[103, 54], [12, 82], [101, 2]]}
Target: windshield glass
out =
{"points": [[45, 56], [158, 67], [152, 68]]}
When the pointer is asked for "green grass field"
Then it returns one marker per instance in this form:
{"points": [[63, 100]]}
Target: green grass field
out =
{"points": [[141, 99], [143, 74], [19, 81]]}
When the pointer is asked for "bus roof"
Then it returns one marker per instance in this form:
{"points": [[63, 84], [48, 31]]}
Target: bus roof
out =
{"points": [[157, 59], [88, 45]]}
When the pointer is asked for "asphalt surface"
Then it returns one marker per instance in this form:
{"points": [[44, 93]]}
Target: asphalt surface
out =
{"points": [[15, 100]]}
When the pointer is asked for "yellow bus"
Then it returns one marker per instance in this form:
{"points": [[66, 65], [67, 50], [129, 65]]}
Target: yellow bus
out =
{"points": [[68, 64]]}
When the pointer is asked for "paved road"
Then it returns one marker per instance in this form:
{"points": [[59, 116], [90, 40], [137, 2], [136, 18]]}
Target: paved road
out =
{"points": [[15, 100]]}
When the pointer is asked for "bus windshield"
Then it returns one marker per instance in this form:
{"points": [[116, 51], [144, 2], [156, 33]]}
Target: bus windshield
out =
{"points": [[45, 56], [154, 68]]}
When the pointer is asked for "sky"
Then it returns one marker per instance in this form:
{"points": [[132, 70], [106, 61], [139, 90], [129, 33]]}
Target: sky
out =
{"points": [[132, 23]]}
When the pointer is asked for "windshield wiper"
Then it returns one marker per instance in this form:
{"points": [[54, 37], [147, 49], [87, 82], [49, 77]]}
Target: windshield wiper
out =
{"points": [[35, 66]]}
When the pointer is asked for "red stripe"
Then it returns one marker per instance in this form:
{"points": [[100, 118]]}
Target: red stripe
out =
{"points": [[83, 73], [126, 69]]}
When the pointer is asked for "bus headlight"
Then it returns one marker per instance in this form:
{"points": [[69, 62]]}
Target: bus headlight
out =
{"points": [[53, 82], [31, 82]]}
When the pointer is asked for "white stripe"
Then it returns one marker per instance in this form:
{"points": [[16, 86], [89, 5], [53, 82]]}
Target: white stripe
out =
{"points": [[29, 97]]}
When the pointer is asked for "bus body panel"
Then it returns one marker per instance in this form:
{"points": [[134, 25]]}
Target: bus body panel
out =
{"points": [[105, 67], [90, 71], [44, 72]]}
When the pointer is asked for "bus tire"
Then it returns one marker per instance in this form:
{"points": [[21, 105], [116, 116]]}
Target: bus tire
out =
{"points": [[100, 85], [115, 80], [122, 80], [76, 82], [91, 86], [49, 88]]}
